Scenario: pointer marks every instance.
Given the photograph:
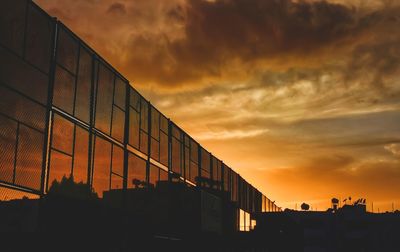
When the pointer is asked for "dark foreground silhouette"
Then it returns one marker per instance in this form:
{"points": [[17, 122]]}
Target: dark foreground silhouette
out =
{"points": [[175, 217]]}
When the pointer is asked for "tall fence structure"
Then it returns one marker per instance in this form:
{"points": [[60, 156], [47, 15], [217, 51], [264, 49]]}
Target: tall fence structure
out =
{"points": [[65, 111]]}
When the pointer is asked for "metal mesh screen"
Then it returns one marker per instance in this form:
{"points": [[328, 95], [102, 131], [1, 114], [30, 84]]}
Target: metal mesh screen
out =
{"points": [[60, 166], [155, 149], [81, 155], [134, 123], [25, 55], [205, 164], [117, 167], [118, 124], [67, 50], [144, 141], [83, 86], [22, 109], [194, 172], [163, 175], [38, 39], [164, 140], [116, 182], [8, 143], [119, 93], [7, 194], [104, 100], [155, 134], [21, 76], [118, 160], [216, 172], [62, 134], [28, 169], [12, 22], [154, 175], [136, 171], [69, 151], [64, 90], [22, 140], [87, 118], [101, 166], [155, 123], [176, 150]]}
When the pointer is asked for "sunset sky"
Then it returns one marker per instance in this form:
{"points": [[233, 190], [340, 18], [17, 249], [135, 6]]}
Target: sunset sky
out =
{"points": [[302, 98]]}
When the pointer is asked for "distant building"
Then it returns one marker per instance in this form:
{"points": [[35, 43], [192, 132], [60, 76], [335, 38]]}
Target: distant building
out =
{"points": [[350, 228]]}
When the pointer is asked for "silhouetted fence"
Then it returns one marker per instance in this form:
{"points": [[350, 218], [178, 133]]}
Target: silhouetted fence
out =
{"points": [[65, 111]]}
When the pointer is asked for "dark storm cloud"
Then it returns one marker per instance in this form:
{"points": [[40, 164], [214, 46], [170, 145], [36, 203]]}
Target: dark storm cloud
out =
{"points": [[257, 28], [382, 59], [193, 42], [218, 32]]}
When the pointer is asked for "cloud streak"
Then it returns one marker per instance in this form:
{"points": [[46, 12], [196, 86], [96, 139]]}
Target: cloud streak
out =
{"points": [[394, 149]]}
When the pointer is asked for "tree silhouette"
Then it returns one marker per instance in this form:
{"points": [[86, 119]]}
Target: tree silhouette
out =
{"points": [[138, 183], [68, 188], [305, 207]]}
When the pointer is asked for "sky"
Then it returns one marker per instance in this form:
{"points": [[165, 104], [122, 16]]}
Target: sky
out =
{"points": [[302, 98]]}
